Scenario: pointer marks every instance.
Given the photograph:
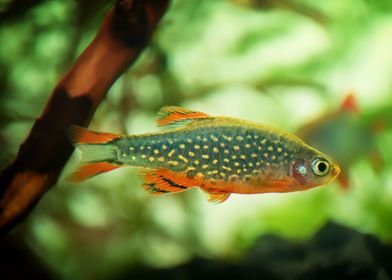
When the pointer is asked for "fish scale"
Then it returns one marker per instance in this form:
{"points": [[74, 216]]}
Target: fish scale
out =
{"points": [[220, 155], [201, 151]]}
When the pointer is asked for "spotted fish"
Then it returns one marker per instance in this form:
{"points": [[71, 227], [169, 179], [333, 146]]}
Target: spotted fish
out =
{"points": [[220, 155]]}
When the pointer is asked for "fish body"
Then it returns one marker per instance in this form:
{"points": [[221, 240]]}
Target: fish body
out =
{"points": [[220, 155]]}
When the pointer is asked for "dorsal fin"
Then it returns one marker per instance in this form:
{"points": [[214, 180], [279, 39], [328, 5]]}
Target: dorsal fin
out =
{"points": [[172, 115], [349, 104]]}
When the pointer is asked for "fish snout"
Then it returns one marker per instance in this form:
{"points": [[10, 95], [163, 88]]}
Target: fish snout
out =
{"points": [[335, 170]]}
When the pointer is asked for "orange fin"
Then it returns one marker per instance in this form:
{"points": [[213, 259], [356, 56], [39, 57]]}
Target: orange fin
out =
{"points": [[161, 181], [81, 135], [349, 104], [172, 115], [91, 169], [344, 181], [218, 197]]}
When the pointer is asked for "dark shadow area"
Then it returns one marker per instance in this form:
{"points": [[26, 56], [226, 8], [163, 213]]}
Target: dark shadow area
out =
{"points": [[335, 252]]}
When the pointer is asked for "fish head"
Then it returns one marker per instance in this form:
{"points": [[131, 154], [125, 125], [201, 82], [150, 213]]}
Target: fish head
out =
{"points": [[313, 168]]}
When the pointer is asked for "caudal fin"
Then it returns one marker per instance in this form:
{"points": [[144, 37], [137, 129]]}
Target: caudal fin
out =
{"points": [[98, 153], [80, 135]]}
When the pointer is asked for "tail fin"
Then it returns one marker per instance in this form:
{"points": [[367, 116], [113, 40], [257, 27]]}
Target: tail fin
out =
{"points": [[80, 135], [98, 154]]}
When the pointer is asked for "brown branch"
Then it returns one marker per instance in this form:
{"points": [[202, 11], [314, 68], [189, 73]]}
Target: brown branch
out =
{"points": [[124, 33]]}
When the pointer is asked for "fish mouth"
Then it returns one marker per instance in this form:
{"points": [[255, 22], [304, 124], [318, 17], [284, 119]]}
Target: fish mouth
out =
{"points": [[335, 171]]}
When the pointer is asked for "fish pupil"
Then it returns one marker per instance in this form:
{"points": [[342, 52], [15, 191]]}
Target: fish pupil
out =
{"points": [[322, 167]]}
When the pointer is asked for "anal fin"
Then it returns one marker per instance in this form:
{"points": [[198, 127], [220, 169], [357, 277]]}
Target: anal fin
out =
{"points": [[161, 181]]}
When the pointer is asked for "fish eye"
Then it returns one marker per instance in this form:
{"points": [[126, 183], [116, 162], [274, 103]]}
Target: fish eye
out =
{"points": [[320, 166]]}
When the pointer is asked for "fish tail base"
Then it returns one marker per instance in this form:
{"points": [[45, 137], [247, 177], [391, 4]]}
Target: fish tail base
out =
{"points": [[99, 154]]}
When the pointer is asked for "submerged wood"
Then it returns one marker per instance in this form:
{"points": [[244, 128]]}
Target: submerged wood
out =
{"points": [[124, 33]]}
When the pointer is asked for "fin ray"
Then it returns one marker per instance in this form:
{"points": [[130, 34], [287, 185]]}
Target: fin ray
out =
{"points": [[218, 197], [98, 154], [161, 181], [173, 115], [89, 170], [80, 135]]}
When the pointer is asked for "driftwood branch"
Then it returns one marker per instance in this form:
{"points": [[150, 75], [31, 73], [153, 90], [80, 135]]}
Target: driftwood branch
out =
{"points": [[123, 34]]}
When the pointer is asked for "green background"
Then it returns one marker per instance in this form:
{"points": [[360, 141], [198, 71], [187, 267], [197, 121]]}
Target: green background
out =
{"points": [[285, 63]]}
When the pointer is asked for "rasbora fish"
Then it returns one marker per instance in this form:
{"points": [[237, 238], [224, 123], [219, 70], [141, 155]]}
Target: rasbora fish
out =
{"points": [[220, 155]]}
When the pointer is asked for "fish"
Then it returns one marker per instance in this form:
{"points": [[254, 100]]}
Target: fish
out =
{"points": [[220, 155], [344, 134]]}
